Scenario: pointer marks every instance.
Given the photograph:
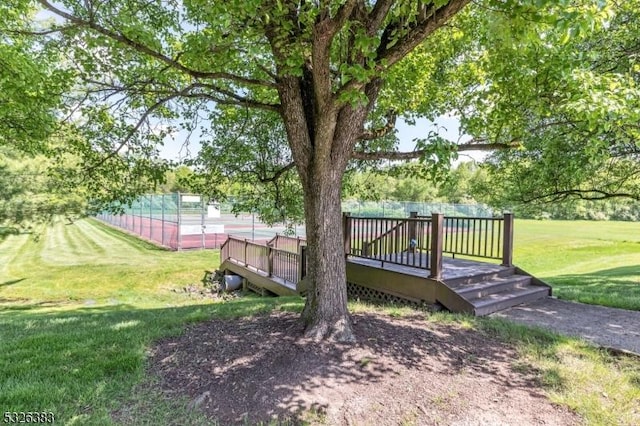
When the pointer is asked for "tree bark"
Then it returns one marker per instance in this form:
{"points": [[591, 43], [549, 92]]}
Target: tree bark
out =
{"points": [[321, 139], [325, 314]]}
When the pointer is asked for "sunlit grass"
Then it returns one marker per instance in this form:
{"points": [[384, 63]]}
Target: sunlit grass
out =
{"points": [[589, 262], [90, 263], [79, 307]]}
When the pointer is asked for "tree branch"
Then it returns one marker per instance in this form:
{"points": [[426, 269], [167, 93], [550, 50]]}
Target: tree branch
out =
{"points": [[142, 48], [429, 23], [382, 131], [377, 15], [583, 194], [410, 155], [278, 173], [133, 131]]}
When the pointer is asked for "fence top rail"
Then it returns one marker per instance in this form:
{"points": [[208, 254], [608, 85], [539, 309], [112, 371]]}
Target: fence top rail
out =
{"points": [[406, 219], [464, 217]]}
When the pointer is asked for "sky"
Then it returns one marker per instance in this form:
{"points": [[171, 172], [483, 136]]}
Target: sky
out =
{"points": [[447, 126]]}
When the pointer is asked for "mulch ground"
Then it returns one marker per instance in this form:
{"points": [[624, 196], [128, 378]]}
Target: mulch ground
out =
{"points": [[401, 371]]}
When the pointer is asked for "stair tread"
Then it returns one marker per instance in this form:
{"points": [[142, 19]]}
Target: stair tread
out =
{"points": [[506, 295], [482, 285], [480, 277]]}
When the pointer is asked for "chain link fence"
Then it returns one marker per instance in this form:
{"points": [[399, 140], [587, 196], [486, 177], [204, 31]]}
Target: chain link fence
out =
{"points": [[190, 221]]}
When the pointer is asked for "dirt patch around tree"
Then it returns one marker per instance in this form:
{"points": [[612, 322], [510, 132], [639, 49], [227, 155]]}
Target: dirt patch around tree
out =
{"points": [[401, 371]]}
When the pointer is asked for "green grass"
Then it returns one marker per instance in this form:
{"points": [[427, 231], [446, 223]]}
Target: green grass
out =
{"points": [[602, 388], [589, 262], [94, 264], [81, 305]]}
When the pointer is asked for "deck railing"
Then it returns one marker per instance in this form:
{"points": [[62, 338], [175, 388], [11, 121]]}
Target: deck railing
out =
{"points": [[421, 241], [474, 236], [285, 242], [272, 261], [391, 240], [415, 241]]}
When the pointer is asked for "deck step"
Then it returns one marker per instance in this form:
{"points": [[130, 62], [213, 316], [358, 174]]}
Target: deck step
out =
{"points": [[485, 288], [506, 299], [481, 277]]}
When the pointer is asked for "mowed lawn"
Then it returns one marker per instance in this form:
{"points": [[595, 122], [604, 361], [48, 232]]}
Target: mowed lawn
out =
{"points": [[92, 264], [586, 261], [81, 306]]}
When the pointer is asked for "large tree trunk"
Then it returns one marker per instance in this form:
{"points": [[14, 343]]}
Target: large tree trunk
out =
{"points": [[322, 136], [325, 314]]}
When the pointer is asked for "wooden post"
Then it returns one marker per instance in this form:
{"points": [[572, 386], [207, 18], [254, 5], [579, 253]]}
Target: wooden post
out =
{"points": [[365, 248], [245, 252], [302, 262], [413, 234], [437, 221], [507, 242], [269, 261], [346, 232]]}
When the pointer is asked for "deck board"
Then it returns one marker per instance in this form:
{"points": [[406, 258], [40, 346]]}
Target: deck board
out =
{"points": [[451, 268]]}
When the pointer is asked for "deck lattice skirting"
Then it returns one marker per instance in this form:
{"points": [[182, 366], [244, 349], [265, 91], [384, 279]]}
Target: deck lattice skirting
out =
{"points": [[358, 292]]}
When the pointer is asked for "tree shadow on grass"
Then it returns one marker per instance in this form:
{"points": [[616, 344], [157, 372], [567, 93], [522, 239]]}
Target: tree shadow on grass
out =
{"points": [[615, 287]]}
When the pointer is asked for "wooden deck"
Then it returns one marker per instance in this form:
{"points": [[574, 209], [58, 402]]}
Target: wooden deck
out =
{"points": [[452, 268], [476, 287]]}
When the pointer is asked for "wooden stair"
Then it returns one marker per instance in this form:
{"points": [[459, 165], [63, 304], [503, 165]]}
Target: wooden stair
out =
{"points": [[484, 294]]}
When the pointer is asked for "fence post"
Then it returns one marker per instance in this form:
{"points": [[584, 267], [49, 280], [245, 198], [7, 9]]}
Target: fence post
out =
{"points": [[346, 232], [141, 216], [507, 242], [162, 238], [151, 217], [436, 245], [413, 231], [203, 223], [245, 252], [179, 207]]}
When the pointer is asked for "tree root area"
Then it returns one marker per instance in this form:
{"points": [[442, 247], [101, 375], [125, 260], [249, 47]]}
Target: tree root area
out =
{"points": [[400, 371]]}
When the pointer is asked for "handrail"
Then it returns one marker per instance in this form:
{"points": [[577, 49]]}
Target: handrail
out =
{"points": [[224, 250], [395, 228], [286, 242], [391, 240], [261, 257], [474, 236], [272, 240]]}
